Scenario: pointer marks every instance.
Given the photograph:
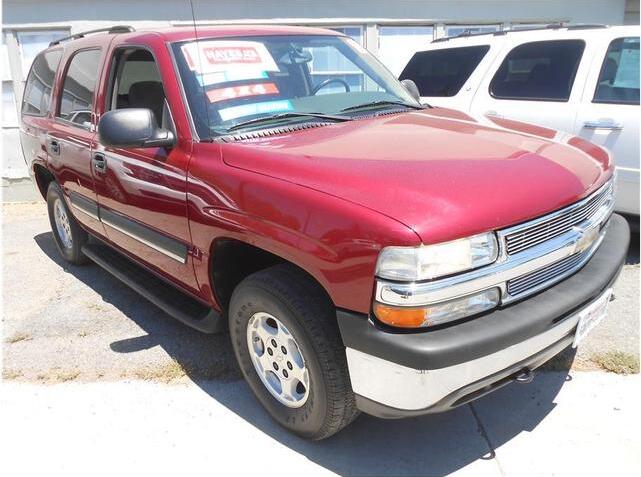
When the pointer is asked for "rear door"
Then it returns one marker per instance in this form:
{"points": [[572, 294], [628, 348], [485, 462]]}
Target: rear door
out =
{"points": [[72, 133], [142, 191], [609, 112], [540, 82]]}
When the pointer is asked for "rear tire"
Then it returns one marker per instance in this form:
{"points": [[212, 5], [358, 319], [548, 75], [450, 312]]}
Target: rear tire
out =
{"points": [[300, 316], [67, 233]]}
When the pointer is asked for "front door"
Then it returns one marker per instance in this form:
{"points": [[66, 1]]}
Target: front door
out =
{"points": [[142, 191]]}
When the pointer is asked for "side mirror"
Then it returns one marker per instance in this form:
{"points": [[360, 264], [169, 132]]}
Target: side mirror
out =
{"points": [[135, 127], [412, 89]]}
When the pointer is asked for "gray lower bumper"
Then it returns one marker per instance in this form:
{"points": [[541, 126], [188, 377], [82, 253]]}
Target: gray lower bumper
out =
{"points": [[396, 373]]}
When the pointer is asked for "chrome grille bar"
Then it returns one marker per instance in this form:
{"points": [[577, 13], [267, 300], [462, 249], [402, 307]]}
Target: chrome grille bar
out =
{"points": [[521, 237], [545, 275]]}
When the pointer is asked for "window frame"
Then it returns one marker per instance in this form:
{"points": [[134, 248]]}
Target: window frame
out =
{"points": [[596, 85], [49, 109], [112, 77], [61, 88], [546, 100]]}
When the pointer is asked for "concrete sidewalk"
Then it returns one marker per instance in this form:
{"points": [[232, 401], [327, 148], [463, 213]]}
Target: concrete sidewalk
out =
{"points": [[585, 424]]}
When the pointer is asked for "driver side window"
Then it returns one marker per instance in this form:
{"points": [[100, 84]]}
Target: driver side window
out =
{"points": [[136, 83]]}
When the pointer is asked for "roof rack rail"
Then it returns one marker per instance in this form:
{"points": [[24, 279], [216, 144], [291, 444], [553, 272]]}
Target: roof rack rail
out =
{"points": [[551, 26], [112, 30]]}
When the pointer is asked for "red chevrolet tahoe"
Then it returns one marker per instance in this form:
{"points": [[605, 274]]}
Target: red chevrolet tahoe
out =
{"points": [[364, 251]]}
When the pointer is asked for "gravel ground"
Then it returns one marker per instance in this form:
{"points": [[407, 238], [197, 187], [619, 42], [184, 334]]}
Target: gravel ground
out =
{"points": [[65, 323]]}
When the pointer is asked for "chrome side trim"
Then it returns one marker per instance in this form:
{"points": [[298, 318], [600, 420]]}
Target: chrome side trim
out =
{"points": [[84, 211], [406, 388], [156, 247]]}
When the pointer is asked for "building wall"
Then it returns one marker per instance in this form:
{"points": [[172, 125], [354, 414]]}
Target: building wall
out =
{"points": [[390, 29], [631, 16]]}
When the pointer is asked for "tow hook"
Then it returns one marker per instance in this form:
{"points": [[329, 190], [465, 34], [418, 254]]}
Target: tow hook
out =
{"points": [[525, 376]]}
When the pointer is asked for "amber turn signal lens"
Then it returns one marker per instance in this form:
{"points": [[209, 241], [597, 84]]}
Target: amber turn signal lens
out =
{"points": [[400, 316]]}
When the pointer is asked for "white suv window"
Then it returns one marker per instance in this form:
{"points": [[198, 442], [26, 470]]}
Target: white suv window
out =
{"points": [[541, 71], [619, 77], [443, 72]]}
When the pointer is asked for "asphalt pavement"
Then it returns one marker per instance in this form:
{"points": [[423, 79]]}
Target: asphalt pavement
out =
{"points": [[97, 380]]}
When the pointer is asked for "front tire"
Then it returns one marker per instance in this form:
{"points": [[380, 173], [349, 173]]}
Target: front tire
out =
{"points": [[286, 340], [67, 233]]}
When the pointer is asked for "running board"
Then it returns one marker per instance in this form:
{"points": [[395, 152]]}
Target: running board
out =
{"points": [[165, 296]]}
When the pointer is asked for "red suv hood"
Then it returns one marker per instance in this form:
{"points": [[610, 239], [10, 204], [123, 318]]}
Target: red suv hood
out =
{"points": [[437, 171]]}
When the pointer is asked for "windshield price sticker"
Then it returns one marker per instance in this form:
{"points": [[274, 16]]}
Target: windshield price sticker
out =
{"points": [[243, 91], [229, 76], [207, 57], [255, 108]]}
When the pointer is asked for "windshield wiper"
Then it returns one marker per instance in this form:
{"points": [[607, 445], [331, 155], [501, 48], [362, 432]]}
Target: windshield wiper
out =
{"points": [[329, 117], [382, 102]]}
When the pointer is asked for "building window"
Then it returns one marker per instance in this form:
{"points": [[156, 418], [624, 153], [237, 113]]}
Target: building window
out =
{"points": [[540, 70], [455, 30], [33, 42], [79, 85], [443, 72], [397, 44], [619, 77], [327, 62], [354, 32]]}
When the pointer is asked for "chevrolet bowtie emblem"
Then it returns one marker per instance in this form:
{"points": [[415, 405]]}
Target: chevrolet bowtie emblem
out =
{"points": [[586, 238]]}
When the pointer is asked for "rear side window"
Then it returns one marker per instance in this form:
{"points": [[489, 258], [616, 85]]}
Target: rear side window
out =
{"points": [[619, 78], [541, 70], [443, 72], [37, 91], [76, 103]]}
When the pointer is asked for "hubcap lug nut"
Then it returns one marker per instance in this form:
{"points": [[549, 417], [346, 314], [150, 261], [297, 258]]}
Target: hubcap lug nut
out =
{"points": [[285, 373], [274, 343], [283, 349], [275, 366], [270, 352]]}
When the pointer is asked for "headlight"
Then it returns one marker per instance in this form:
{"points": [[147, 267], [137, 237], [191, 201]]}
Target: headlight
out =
{"points": [[438, 313], [431, 261]]}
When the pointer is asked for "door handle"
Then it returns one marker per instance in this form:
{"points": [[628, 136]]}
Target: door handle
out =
{"points": [[603, 124], [99, 163], [54, 147]]}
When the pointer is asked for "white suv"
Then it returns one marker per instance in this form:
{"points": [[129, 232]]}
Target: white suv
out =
{"points": [[580, 79]]}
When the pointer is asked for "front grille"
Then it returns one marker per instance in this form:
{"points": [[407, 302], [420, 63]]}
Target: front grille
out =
{"points": [[558, 223], [546, 275]]}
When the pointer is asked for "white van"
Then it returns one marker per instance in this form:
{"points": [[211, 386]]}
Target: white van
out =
{"points": [[580, 79]]}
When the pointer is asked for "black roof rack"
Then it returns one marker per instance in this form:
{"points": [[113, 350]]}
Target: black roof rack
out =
{"points": [[551, 26], [112, 30]]}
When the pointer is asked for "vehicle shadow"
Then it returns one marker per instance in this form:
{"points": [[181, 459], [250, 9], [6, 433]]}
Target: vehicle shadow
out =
{"points": [[429, 445]]}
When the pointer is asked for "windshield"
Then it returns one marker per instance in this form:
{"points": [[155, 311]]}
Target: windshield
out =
{"points": [[229, 82]]}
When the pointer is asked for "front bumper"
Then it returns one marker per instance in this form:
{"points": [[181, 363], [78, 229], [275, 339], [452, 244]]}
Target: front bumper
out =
{"points": [[400, 373]]}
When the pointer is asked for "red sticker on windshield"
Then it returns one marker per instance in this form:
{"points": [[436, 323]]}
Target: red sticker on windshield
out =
{"points": [[216, 56], [234, 92]]}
